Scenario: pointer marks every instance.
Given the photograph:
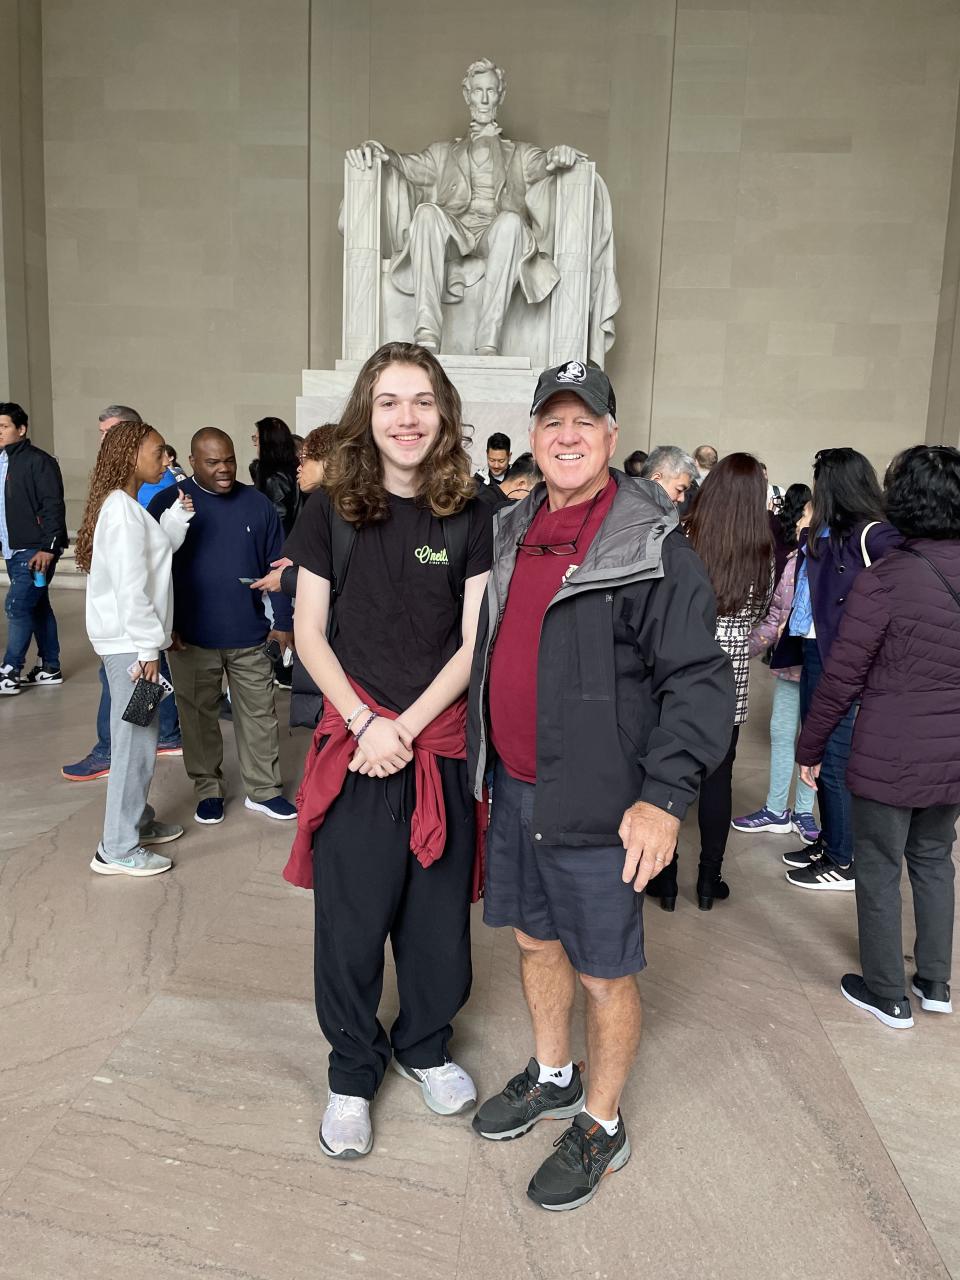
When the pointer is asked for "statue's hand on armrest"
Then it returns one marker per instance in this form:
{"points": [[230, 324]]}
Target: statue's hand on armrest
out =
{"points": [[367, 154], [563, 158]]}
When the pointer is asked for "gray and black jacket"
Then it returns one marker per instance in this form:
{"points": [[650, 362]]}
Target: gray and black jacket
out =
{"points": [[635, 697]]}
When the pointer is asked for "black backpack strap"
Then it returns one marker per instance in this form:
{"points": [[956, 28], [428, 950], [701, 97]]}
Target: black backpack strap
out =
{"points": [[912, 551], [343, 535], [456, 534]]}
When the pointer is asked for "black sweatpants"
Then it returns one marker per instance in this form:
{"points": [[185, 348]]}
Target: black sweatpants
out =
{"points": [[368, 887], [883, 836]]}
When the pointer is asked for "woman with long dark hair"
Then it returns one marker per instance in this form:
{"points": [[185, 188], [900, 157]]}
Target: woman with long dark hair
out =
{"points": [[274, 470], [776, 817], [897, 653], [847, 533], [729, 530], [129, 615]]}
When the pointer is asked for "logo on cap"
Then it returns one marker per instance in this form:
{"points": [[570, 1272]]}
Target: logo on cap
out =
{"points": [[572, 371]]}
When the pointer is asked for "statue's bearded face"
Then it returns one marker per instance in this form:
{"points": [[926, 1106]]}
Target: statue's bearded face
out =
{"points": [[483, 96]]}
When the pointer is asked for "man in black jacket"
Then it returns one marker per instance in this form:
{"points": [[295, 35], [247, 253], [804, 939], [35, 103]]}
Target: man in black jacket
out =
{"points": [[33, 533], [605, 698]]}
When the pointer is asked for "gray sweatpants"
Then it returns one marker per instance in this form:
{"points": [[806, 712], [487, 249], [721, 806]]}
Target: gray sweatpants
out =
{"points": [[883, 835], [133, 759]]}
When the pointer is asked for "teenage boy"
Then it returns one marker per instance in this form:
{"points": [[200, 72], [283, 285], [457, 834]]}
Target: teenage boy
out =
{"points": [[388, 845], [220, 626], [33, 532]]}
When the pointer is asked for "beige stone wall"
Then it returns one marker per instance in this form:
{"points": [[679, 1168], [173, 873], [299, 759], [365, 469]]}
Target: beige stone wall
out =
{"points": [[194, 155], [176, 170], [809, 172], [24, 329]]}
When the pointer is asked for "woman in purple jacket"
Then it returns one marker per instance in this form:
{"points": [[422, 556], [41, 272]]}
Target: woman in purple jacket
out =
{"points": [[847, 533], [898, 652]]}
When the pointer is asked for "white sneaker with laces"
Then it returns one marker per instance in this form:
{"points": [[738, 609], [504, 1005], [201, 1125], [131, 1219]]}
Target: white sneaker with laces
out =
{"points": [[446, 1089], [345, 1130]]}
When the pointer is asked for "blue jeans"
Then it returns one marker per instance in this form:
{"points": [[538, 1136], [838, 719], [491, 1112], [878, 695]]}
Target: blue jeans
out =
{"points": [[29, 614], [835, 819], [167, 717]]}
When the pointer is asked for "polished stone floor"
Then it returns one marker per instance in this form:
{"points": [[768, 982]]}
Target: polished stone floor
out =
{"points": [[162, 1075]]}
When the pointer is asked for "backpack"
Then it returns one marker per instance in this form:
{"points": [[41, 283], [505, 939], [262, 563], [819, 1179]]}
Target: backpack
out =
{"points": [[306, 700]]}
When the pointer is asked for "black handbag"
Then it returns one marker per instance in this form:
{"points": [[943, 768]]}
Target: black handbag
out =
{"points": [[142, 707]]}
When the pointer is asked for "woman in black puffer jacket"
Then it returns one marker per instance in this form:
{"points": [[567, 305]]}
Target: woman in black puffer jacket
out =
{"points": [[897, 652]]}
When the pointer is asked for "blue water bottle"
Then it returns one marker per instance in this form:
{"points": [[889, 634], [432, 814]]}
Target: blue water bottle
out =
{"points": [[39, 578]]}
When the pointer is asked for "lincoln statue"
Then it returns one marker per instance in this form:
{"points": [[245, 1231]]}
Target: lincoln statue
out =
{"points": [[479, 210]]}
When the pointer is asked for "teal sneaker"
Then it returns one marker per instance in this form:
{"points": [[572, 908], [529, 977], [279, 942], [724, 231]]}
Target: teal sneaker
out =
{"points": [[138, 862], [154, 832]]}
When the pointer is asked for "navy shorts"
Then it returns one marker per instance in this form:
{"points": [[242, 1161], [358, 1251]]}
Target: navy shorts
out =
{"points": [[574, 896]]}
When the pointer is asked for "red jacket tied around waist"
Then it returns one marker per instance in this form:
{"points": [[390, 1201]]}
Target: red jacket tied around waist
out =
{"points": [[326, 767]]}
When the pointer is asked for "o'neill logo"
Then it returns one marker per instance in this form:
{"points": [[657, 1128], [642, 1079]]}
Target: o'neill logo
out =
{"points": [[427, 555]]}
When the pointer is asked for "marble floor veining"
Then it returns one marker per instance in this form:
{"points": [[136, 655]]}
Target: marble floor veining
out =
{"points": [[162, 1075]]}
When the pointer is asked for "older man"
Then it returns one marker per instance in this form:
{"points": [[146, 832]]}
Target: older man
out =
{"points": [[673, 470], [706, 458], [605, 698]]}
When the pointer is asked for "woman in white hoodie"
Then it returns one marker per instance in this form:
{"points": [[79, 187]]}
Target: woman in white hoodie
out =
{"points": [[128, 556]]}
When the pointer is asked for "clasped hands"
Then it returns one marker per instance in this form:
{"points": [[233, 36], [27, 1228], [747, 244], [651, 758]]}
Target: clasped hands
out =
{"points": [[384, 749], [649, 836]]}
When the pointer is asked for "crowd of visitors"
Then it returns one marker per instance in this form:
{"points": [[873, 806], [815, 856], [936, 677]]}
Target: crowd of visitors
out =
{"points": [[518, 680]]}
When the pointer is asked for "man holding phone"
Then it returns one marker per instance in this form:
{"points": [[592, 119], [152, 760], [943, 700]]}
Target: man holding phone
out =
{"points": [[220, 626]]}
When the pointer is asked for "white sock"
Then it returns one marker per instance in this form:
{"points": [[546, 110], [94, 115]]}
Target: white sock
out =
{"points": [[611, 1126], [560, 1076]]}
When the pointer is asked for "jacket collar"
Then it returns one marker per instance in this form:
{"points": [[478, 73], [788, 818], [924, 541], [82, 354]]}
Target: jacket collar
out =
{"points": [[640, 510], [16, 447]]}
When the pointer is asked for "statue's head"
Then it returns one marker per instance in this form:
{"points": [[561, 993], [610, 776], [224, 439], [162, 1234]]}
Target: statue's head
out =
{"points": [[484, 88]]}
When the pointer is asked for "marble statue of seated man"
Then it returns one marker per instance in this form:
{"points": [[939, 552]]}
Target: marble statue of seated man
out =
{"points": [[476, 209]]}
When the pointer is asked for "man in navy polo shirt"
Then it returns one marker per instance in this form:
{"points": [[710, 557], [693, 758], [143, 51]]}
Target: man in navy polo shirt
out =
{"points": [[220, 626]]}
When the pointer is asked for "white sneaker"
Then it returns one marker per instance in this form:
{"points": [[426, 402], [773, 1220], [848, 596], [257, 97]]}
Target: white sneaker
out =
{"points": [[138, 862], [9, 681], [447, 1090], [345, 1131]]}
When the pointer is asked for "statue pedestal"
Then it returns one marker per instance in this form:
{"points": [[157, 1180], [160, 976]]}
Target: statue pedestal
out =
{"points": [[496, 391]]}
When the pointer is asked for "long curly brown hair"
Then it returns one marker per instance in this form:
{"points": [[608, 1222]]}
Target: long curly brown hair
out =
{"points": [[354, 471], [113, 468]]}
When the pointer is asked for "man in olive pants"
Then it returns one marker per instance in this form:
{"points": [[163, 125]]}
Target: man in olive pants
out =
{"points": [[221, 628], [198, 679]]}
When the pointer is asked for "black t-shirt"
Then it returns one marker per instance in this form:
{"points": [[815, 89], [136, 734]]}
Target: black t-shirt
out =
{"points": [[397, 618]]}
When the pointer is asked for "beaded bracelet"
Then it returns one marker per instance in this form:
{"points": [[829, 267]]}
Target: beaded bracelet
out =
{"points": [[350, 719], [365, 726]]}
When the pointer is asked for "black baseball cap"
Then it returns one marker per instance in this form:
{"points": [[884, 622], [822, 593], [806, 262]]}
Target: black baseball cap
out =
{"points": [[585, 380]]}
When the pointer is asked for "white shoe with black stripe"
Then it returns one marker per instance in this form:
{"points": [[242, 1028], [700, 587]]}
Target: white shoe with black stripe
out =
{"points": [[824, 874]]}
